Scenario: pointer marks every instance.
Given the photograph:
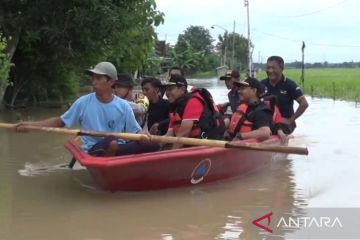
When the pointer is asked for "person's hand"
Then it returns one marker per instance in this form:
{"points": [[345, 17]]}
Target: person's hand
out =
{"points": [[283, 137], [23, 126], [154, 128], [227, 136], [145, 138], [223, 107]]}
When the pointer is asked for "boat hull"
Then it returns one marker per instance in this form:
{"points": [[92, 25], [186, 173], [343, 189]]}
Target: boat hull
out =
{"points": [[171, 168]]}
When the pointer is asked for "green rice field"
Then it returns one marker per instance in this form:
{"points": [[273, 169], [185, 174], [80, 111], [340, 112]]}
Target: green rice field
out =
{"points": [[336, 83]]}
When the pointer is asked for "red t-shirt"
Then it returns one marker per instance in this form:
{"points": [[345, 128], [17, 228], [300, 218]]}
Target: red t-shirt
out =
{"points": [[193, 110]]}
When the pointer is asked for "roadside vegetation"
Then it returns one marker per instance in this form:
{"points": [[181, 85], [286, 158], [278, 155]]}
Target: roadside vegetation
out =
{"points": [[335, 83]]}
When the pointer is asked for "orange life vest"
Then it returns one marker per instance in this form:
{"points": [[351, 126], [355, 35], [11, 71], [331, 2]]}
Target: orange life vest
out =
{"points": [[210, 124], [238, 121]]}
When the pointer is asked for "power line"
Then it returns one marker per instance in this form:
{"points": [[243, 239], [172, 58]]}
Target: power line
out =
{"points": [[313, 12], [311, 43]]}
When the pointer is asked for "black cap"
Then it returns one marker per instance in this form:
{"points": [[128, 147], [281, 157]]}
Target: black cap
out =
{"points": [[124, 80], [176, 80], [231, 74], [253, 83]]}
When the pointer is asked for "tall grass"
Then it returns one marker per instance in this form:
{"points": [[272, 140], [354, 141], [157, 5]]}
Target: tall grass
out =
{"points": [[336, 83]]}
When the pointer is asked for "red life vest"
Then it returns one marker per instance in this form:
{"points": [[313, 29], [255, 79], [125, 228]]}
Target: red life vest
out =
{"points": [[277, 118], [210, 124], [272, 102], [176, 117]]}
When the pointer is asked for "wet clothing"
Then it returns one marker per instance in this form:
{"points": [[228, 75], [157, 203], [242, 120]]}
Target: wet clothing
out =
{"points": [[91, 114], [159, 113], [286, 91], [234, 100]]}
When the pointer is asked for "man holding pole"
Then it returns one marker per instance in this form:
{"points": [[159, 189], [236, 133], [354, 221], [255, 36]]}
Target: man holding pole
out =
{"points": [[99, 111]]}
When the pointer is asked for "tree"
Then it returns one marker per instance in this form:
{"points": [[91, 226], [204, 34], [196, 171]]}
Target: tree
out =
{"points": [[4, 68], [193, 49], [198, 37], [50, 41], [240, 43], [186, 59]]}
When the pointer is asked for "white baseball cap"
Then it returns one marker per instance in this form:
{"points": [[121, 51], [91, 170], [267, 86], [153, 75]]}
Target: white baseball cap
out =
{"points": [[104, 68]]}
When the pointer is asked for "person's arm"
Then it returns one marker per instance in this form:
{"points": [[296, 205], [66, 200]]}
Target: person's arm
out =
{"points": [[192, 112], [262, 121], [223, 107], [303, 105], [184, 131], [157, 126], [296, 93], [50, 122], [131, 125], [260, 134]]}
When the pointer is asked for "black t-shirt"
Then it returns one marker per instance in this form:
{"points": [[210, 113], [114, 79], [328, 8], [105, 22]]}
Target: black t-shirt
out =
{"points": [[286, 91], [259, 118], [159, 112]]}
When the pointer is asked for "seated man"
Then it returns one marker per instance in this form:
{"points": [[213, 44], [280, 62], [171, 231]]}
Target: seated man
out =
{"points": [[157, 117], [253, 118], [190, 114], [99, 111], [233, 95], [123, 88]]}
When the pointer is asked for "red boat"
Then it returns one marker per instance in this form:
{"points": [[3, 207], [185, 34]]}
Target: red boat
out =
{"points": [[172, 168]]}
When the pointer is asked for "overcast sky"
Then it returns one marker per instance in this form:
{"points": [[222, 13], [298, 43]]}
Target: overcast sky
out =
{"points": [[330, 28]]}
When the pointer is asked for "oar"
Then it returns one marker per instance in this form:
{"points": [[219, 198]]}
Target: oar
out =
{"points": [[167, 139]]}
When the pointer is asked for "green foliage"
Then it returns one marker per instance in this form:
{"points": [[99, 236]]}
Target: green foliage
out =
{"points": [[4, 63], [198, 37], [189, 60], [59, 39], [193, 51], [234, 43], [4, 68]]}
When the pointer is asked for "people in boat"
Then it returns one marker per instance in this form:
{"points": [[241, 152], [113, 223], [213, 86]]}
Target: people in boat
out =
{"points": [[123, 88], [100, 111], [253, 118], [286, 91], [230, 77], [190, 114], [157, 116]]}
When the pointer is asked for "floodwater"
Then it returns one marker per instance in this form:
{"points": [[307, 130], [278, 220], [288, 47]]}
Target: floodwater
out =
{"points": [[42, 199]]}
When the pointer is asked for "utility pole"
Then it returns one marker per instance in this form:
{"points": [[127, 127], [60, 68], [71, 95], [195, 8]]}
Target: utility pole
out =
{"points": [[302, 66], [233, 48], [246, 3]]}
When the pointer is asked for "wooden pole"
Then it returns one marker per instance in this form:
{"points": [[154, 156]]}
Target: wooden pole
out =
{"points": [[167, 139]]}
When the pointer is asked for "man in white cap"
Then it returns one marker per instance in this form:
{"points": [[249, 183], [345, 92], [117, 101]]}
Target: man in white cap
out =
{"points": [[98, 111]]}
